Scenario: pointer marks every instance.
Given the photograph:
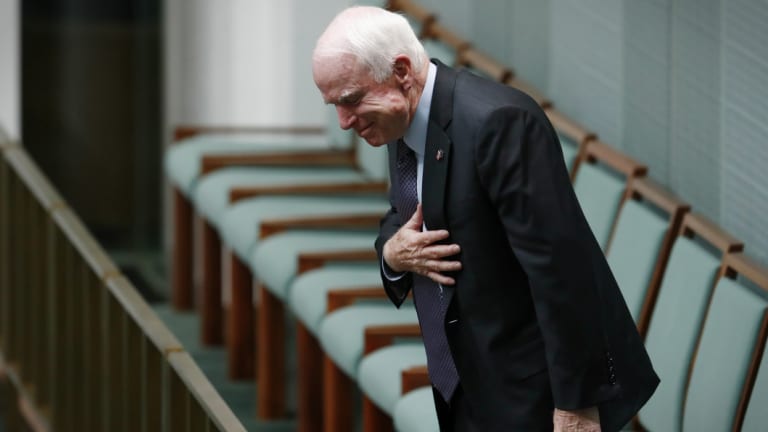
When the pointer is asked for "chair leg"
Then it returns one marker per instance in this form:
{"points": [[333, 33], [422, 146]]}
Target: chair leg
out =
{"points": [[240, 319], [310, 380], [270, 356], [338, 391], [210, 304], [374, 419], [182, 252]]}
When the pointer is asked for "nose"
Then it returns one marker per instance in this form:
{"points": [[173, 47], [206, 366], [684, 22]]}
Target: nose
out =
{"points": [[346, 117]]}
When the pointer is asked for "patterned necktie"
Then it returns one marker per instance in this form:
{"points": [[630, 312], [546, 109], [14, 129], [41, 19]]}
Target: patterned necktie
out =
{"points": [[428, 295]]}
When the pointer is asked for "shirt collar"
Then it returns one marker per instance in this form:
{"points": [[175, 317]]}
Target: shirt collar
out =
{"points": [[416, 135]]}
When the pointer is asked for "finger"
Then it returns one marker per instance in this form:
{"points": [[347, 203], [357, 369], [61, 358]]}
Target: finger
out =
{"points": [[441, 251], [429, 237], [441, 278], [443, 266], [416, 220]]}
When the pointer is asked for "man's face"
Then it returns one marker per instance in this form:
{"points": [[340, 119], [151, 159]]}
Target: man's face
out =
{"points": [[378, 112]]}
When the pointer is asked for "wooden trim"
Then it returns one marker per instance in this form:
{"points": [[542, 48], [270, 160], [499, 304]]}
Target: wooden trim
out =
{"points": [[338, 397], [699, 225], [312, 158], [569, 127], [339, 298], [443, 34], [210, 306], [186, 131], [384, 335], [309, 357], [274, 226], [415, 377], [648, 189], [363, 187], [270, 353], [599, 151], [313, 260], [754, 364], [240, 319], [181, 253], [544, 102], [745, 266], [414, 10], [486, 64]]}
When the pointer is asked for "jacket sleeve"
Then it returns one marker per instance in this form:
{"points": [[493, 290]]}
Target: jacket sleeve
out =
{"points": [[520, 164]]}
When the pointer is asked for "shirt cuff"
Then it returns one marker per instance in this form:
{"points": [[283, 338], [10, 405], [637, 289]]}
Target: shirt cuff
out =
{"points": [[390, 274]]}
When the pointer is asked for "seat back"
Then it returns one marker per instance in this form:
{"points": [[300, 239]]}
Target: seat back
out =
{"points": [[726, 359], [648, 222], [679, 310], [600, 184]]}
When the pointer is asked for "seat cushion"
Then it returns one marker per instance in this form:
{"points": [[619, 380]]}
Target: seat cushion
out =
{"points": [[342, 333], [211, 195], [274, 261], [240, 224], [415, 412], [183, 160], [308, 294], [380, 373]]}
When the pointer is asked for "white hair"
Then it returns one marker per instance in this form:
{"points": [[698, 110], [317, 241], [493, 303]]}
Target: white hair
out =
{"points": [[374, 37]]}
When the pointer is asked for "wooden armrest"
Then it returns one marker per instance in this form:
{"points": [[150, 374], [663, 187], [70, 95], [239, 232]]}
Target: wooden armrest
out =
{"points": [[443, 34], [415, 377], [274, 226], [597, 150], [242, 192], [739, 263], [311, 158], [384, 335], [569, 127], [698, 225], [414, 10], [528, 88], [486, 64], [647, 189], [313, 260], [340, 298], [185, 131]]}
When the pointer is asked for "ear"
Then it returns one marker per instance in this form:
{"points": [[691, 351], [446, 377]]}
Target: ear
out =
{"points": [[402, 71]]}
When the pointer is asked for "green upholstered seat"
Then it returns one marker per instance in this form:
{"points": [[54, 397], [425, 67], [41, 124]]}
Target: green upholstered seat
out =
{"points": [[342, 332], [240, 223], [723, 357], [211, 196], [599, 194], [415, 412], [634, 251], [570, 150], [440, 51], [674, 329], [756, 417], [380, 373], [308, 294], [182, 161], [275, 260]]}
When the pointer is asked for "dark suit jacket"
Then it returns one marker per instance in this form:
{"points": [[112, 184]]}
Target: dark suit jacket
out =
{"points": [[535, 293]]}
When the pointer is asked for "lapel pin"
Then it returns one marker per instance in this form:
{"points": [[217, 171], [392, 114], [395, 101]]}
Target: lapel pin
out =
{"points": [[440, 154]]}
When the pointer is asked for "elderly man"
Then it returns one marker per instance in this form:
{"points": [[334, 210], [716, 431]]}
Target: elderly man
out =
{"points": [[524, 326]]}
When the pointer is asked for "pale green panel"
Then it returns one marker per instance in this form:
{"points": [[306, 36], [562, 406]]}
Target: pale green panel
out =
{"points": [[455, 14], [646, 84], [744, 189], [695, 104], [492, 24], [586, 64], [528, 41]]}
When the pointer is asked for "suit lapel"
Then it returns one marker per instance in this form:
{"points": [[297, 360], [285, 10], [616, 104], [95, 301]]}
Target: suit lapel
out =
{"points": [[437, 152]]}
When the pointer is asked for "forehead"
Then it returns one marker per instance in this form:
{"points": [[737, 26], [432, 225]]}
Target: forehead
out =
{"points": [[339, 76]]}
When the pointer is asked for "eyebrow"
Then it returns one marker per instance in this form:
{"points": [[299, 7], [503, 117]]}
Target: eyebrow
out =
{"points": [[348, 96]]}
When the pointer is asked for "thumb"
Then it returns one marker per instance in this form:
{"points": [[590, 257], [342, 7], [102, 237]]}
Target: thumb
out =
{"points": [[416, 220]]}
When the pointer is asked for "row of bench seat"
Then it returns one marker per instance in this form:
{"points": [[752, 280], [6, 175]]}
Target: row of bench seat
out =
{"points": [[297, 212]]}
